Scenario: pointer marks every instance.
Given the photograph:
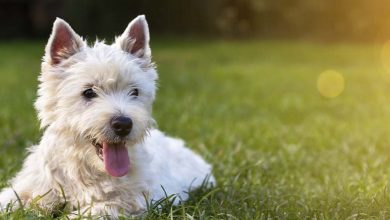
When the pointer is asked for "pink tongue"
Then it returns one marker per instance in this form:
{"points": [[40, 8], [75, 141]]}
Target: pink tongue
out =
{"points": [[116, 159]]}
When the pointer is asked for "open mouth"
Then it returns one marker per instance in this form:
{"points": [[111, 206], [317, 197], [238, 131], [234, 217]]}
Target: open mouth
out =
{"points": [[114, 156], [99, 149]]}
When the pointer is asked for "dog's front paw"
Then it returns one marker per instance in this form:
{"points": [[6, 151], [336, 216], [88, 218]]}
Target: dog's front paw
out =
{"points": [[104, 211], [97, 211], [8, 198]]}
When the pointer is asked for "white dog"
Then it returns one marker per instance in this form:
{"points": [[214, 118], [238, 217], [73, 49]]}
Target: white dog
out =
{"points": [[99, 148]]}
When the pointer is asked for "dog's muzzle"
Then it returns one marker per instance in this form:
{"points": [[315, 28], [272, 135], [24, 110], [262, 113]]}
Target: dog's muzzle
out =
{"points": [[113, 152]]}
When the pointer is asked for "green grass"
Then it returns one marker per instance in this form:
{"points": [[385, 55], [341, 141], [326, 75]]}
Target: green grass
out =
{"points": [[279, 149]]}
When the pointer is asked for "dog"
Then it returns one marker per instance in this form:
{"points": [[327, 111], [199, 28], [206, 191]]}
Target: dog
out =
{"points": [[100, 150]]}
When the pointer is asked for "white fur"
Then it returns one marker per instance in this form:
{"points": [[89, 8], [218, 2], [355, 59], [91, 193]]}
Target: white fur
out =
{"points": [[65, 157]]}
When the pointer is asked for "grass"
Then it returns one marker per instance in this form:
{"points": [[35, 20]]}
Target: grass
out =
{"points": [[279, 149]]}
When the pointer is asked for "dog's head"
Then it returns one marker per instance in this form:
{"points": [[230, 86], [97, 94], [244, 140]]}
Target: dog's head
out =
{"points": [[101, 94]]}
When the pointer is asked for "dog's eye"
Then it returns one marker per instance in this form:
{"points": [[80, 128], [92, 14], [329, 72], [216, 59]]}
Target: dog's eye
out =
{"points": [[133, 92], [89, 94]]}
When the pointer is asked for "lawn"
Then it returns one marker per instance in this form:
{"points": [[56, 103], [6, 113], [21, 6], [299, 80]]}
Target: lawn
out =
{"points": [[279, 148]]}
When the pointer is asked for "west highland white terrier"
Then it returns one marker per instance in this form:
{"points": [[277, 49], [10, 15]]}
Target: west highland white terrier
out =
{"points": [[99, 148]]}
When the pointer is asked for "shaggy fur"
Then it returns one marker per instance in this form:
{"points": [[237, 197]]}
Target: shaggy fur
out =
{"points": [[122, 78]]}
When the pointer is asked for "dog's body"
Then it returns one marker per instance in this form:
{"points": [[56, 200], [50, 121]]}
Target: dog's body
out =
{"points": [[99, 149]]}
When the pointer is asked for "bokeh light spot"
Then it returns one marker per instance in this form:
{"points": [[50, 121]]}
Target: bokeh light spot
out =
{"points": [[330, 83]]}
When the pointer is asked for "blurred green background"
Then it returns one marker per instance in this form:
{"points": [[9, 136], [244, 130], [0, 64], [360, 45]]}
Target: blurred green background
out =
{"points": [[289, 100], [330, 20]]}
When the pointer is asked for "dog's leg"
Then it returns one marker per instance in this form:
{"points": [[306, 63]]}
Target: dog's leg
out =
{"points": [[8, 196], [29, 183], [106, 211], [98, 210]]}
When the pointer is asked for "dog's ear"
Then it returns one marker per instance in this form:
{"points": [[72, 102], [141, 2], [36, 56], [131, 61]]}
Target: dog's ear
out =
{"points": [[63, 43], [135, 39]]}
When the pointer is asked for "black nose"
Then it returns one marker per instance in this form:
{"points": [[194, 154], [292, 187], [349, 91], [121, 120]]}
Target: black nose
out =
{"points": [[121, 125]]}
